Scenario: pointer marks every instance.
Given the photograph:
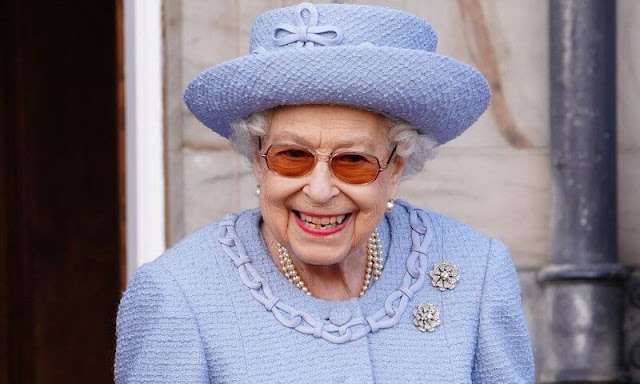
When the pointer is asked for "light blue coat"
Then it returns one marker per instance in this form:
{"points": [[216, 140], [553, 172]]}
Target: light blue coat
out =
{"points": [[215, 309]]}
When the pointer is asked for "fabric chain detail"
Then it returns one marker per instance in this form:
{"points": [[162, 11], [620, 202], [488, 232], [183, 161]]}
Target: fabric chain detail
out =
{"points": [[386, 317]]}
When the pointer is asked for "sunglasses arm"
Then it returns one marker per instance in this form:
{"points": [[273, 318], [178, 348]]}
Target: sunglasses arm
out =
{"points": [[260, 153], [393, 152]]}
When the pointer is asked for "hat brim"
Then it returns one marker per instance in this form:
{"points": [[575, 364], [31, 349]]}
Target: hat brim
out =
{"points": [[440, 96]]}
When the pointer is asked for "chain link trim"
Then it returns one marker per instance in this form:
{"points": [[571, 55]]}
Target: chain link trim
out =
{"points": [[386, 317]]}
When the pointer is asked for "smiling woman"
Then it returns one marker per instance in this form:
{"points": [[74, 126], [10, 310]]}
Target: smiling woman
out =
{"points": [[331, 279]]}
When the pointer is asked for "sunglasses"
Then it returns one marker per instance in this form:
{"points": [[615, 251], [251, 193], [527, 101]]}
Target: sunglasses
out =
{"points": [[293, 160]]}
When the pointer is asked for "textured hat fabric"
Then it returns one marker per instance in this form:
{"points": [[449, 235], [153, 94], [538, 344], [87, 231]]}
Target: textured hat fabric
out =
{"points": [[374, 58]]}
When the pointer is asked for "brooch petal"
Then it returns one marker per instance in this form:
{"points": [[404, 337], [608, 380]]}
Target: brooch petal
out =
{"points": [[444, 275]]}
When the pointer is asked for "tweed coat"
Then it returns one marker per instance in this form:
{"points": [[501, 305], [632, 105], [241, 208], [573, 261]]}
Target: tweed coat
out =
{"points": [[215, 309]]}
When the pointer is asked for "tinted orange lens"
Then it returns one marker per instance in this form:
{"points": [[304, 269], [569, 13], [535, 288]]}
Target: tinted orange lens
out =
{"points": [[355, 168], [290, 160]]}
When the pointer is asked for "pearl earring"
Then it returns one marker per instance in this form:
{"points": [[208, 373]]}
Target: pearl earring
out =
{"points": [[258, 190], [390, 205]]}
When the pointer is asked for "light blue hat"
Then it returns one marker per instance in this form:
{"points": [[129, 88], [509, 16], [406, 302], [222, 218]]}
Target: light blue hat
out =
{"points": [[373, 58]]}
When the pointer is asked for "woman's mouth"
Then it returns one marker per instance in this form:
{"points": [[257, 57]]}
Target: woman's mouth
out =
{"points": [[321, 224]]}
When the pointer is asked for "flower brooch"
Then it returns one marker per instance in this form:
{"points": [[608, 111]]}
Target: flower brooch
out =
{"points": [[426, 317], [444, 275]]}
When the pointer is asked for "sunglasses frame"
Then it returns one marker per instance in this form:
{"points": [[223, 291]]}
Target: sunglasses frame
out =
{"points": [[328, 158]]}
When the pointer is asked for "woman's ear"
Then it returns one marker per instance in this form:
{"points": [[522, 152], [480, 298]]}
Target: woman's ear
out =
{"points": [[396, 171], [396, 168], [258, 165]]}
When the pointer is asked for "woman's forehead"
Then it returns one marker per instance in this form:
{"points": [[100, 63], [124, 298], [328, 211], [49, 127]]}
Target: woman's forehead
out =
{"points": [[328, 125]]}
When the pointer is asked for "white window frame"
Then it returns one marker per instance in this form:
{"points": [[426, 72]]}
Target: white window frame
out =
{"points": [[144, 136]]}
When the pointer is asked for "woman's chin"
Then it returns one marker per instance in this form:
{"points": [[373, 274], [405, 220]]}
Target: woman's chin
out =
{"points": [[319, 255]]}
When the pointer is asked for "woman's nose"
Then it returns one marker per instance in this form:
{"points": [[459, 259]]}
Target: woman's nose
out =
{"points": [[320, 187]]}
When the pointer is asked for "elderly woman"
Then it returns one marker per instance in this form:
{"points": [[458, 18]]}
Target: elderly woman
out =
{"points": [[332, 279]]}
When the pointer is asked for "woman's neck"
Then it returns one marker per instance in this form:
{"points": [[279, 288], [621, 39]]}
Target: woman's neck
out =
{"points": [[340, 281]]}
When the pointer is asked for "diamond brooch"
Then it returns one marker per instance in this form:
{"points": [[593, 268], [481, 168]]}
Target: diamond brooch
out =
{"points": [[426, 317], [444, 275]]}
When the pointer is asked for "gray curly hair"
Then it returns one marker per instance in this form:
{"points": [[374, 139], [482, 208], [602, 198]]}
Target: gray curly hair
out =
{"points": [[414, 147]]}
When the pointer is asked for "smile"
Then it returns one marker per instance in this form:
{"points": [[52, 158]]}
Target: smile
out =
{"points": [[321, 224]]}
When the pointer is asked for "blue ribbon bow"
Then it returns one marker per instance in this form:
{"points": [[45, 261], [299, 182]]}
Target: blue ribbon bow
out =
{"points": [[307, 35]]}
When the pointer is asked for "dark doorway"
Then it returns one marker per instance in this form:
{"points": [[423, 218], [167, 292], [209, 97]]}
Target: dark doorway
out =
{"points": [[60, 189]]}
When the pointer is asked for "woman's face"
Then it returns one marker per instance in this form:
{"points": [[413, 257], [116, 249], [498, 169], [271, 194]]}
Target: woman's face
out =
{"points": [[296, 210]]}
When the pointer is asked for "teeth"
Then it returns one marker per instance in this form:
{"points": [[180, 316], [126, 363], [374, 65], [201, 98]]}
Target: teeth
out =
{"points": [[322, 222]]}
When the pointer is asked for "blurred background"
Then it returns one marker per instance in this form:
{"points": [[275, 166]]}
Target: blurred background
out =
{"points": [[102, 167]]}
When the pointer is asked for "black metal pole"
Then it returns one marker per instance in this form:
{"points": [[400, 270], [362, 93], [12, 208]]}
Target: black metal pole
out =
{"points": [[583, 284]]}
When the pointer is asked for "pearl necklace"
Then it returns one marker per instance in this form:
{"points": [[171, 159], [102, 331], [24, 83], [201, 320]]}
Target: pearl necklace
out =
{"points": [[374, 265]]}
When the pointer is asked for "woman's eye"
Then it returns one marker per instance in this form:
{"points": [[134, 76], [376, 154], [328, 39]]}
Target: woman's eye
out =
{"points": [[295, 153], [352, 158]]}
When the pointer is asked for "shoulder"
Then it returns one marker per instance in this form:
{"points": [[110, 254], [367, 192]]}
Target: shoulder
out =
{"points": [[196, 268], [450, 235], [447, 230], [193, 253], [466, 247], [463, 242], [185, 260], [467, 239]]}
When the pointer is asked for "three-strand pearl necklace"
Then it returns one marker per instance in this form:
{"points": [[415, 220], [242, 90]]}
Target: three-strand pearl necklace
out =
{"points": [[373, 270]]}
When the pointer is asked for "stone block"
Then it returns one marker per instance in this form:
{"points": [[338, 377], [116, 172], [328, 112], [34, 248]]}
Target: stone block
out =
{"points": [[628, 67], [215, 183], [629, 206]]}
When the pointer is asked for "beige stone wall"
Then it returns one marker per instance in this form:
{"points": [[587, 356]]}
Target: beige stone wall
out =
{"points": [[629, 130], [495, 177]]}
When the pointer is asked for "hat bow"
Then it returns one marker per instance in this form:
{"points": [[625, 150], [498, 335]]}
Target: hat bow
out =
{"points": [[307, 35]]}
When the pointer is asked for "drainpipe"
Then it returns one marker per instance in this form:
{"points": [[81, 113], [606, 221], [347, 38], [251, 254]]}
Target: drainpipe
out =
{"points": [[583, 286]]}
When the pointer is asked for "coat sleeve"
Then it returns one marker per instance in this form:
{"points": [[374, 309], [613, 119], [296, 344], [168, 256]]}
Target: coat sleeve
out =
{"points": [[503, 352], [158, 339]]}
